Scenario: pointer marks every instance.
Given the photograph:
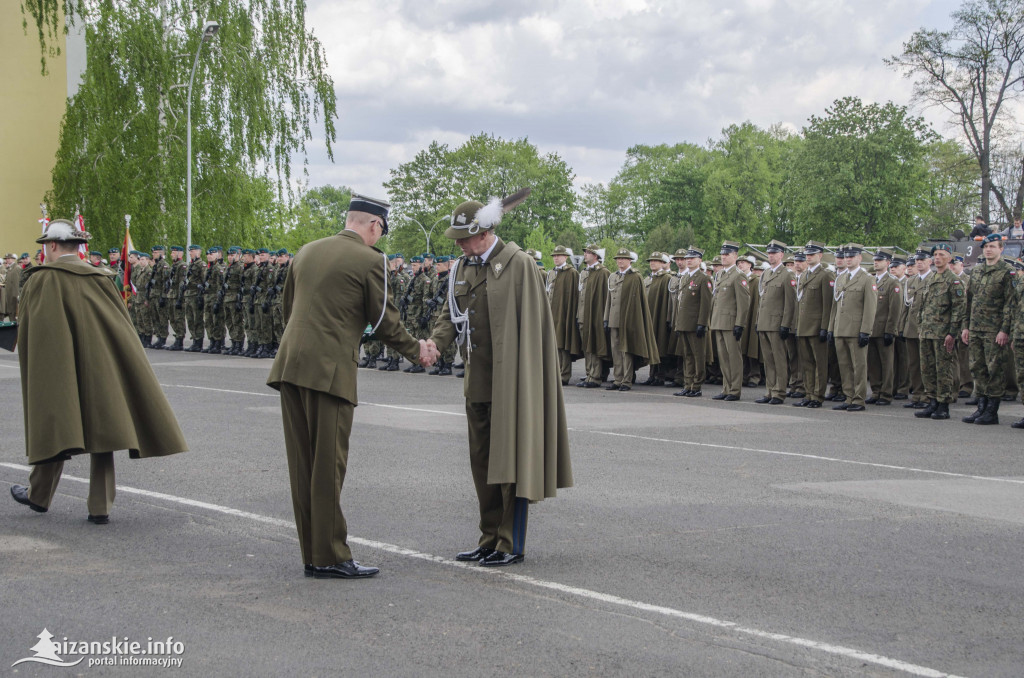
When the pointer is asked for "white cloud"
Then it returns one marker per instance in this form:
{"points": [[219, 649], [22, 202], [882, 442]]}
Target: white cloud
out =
{"points": [[589, 78]]}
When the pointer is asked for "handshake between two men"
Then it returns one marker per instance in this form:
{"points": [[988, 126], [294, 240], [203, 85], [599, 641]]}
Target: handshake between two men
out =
{"points": [[428, 352]]}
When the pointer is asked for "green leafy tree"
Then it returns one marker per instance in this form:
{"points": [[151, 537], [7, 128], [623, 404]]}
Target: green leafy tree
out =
{"points": [[425, 190], [972, 71], [952, 194], [861, 174], [260, 87]]}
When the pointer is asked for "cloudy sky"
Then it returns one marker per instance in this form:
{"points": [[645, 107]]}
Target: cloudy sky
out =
{"points": [[589, 78]]}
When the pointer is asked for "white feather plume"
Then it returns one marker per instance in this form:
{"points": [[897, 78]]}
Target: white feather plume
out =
{"points": [[568, 251], [600, 252], [60, 230], [490, 214], [537, 255], [633, 256]]}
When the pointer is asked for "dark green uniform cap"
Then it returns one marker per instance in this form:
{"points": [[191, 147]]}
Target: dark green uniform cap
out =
{"points": [[158, 247], [177, 248], [195, 247]]}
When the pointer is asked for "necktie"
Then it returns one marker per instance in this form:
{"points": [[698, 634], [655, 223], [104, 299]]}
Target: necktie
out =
{"points": [[474, 261]]}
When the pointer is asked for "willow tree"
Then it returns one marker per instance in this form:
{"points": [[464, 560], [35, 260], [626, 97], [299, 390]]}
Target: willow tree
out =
{"points": [[260, 91]]}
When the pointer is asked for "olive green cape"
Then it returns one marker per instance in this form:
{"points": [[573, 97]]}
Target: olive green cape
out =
{"points": [[659, 301], [565, 298], [593, 335], [636, 331], [85, 381]]}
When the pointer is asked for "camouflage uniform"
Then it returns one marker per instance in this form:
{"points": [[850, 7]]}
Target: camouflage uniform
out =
{"points": [[941, 314], [176, 302], [990, 295], [134, 301], [250, 274], [213, 305], [415, 309], [143, 285], [234, 309], [161, 298], [261, 302], [277, 303], [397, 286], [438, 292], [194, 303]]}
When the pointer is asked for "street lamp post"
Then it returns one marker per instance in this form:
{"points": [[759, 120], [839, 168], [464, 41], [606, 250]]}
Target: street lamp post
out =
{"points": [[209, 30], [427, 232]]}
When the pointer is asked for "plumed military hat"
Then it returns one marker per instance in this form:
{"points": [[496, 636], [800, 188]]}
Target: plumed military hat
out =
{"points": [[472, 217], [883, 253], [750, 259], [10, 255], [776, 246], [729, 247], [595, 250], [681, 253], [655, 256], [378, 208], [62, 230], [789, 260], [561, 250], [716, 261], [623, 253], [177, 248]]}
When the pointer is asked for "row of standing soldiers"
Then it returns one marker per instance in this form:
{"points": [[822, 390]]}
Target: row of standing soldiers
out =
{"points": [[210, 300]]}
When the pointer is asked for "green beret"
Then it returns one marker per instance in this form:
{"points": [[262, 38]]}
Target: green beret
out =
{"points": [[158, 247], [945, 247], [211, 250], [95, 254], [399, 255], [428, 255], [24, 255], [263, 250], [391, 257], [195, 247], [417, 260], [992, 237], [177, 248], [248, 250], [113, 250]]}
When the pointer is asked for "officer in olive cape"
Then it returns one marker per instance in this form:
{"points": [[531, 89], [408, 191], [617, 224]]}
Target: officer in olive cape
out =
{"points": [[660, 302], [729, 309], [853, 314], [315, 371], [563, 287], [597, 354], [628, 318], [75, 337], [518, 441], [776, 319], [814, 303]]}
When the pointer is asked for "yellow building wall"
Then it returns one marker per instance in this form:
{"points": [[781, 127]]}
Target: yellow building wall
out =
{"points": [[31, 109]]}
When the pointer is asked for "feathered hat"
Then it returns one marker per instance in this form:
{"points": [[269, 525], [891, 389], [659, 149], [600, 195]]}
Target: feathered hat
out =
{"points": [[62, 230], [472, 217]]}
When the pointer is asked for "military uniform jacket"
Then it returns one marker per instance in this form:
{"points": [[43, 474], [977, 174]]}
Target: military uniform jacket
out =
{"points": [[990, 298], [320, 346], [512, 327], [147, 288], [943, 306], [594, 295], [233, 281], [195, 274], [161, 279], [731, 292], [890, 304], [249, 274], [854, 303], [86, 383], [178, 270], [693, 302], [214, 281], [564, 295], [280, 279], [911, 306], [814, 301], [11, 288], [777, 304]]}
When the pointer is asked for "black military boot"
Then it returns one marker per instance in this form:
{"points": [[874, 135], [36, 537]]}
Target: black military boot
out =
{"points": [[159, 342], [409, 369], [446, 369], [260, 351], [145, 339], [364, 362], [250, 351], [197, 346], [416, 369], [179, 344], [371, 364], [970, 418], [393, 365], [933, 404], [941, 412], [991, 414], [208, 348], [1017, 424], [386, 366], [437, 368], [217, 347], [272, 353]]}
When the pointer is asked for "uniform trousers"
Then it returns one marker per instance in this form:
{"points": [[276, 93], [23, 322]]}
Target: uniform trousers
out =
{"points": [[596, 370], [814, 359], [233, 318], [776, 364], [194, 319], [901, 373], [694, 369], [503, 515], [316, 431], [881, 374], [565, 365], [937, 370], [177, 318], [914, 369], [853, 367], [622, 362], [730, 360], [43, 479], [963, 361], [162, 317], [796, 374], [990, 362]]}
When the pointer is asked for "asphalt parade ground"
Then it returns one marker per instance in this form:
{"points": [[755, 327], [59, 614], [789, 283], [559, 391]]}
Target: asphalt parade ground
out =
{"points": [[702, 538]]}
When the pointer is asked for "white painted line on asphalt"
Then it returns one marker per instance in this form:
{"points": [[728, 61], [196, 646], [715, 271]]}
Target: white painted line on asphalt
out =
{"points": [[827, 648], [691, 443]]}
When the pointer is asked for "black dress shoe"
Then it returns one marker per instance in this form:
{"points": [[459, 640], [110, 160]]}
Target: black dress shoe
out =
{"points": [[843, 406], [881, 402], [963, 394], [830, 397], [911, 404], [900, 396], [839, 398], [500, 559], [461, 374], [870, 401], [625, 388], [684, 392], [762, 400], [20, 494], [855, 408], [796, 394], [920, 405], [720, 396], [731, 398], [775, 401], [581, 383], [98, 520], [591, 384], [803, 403], [349, 569], [308, 570], [479, 553], [813, 405], [695, 394], [611, 387]]}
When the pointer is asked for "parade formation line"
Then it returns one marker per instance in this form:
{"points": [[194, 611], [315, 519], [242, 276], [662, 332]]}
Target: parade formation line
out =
{"points": [[574, 591], [690, 443]]}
